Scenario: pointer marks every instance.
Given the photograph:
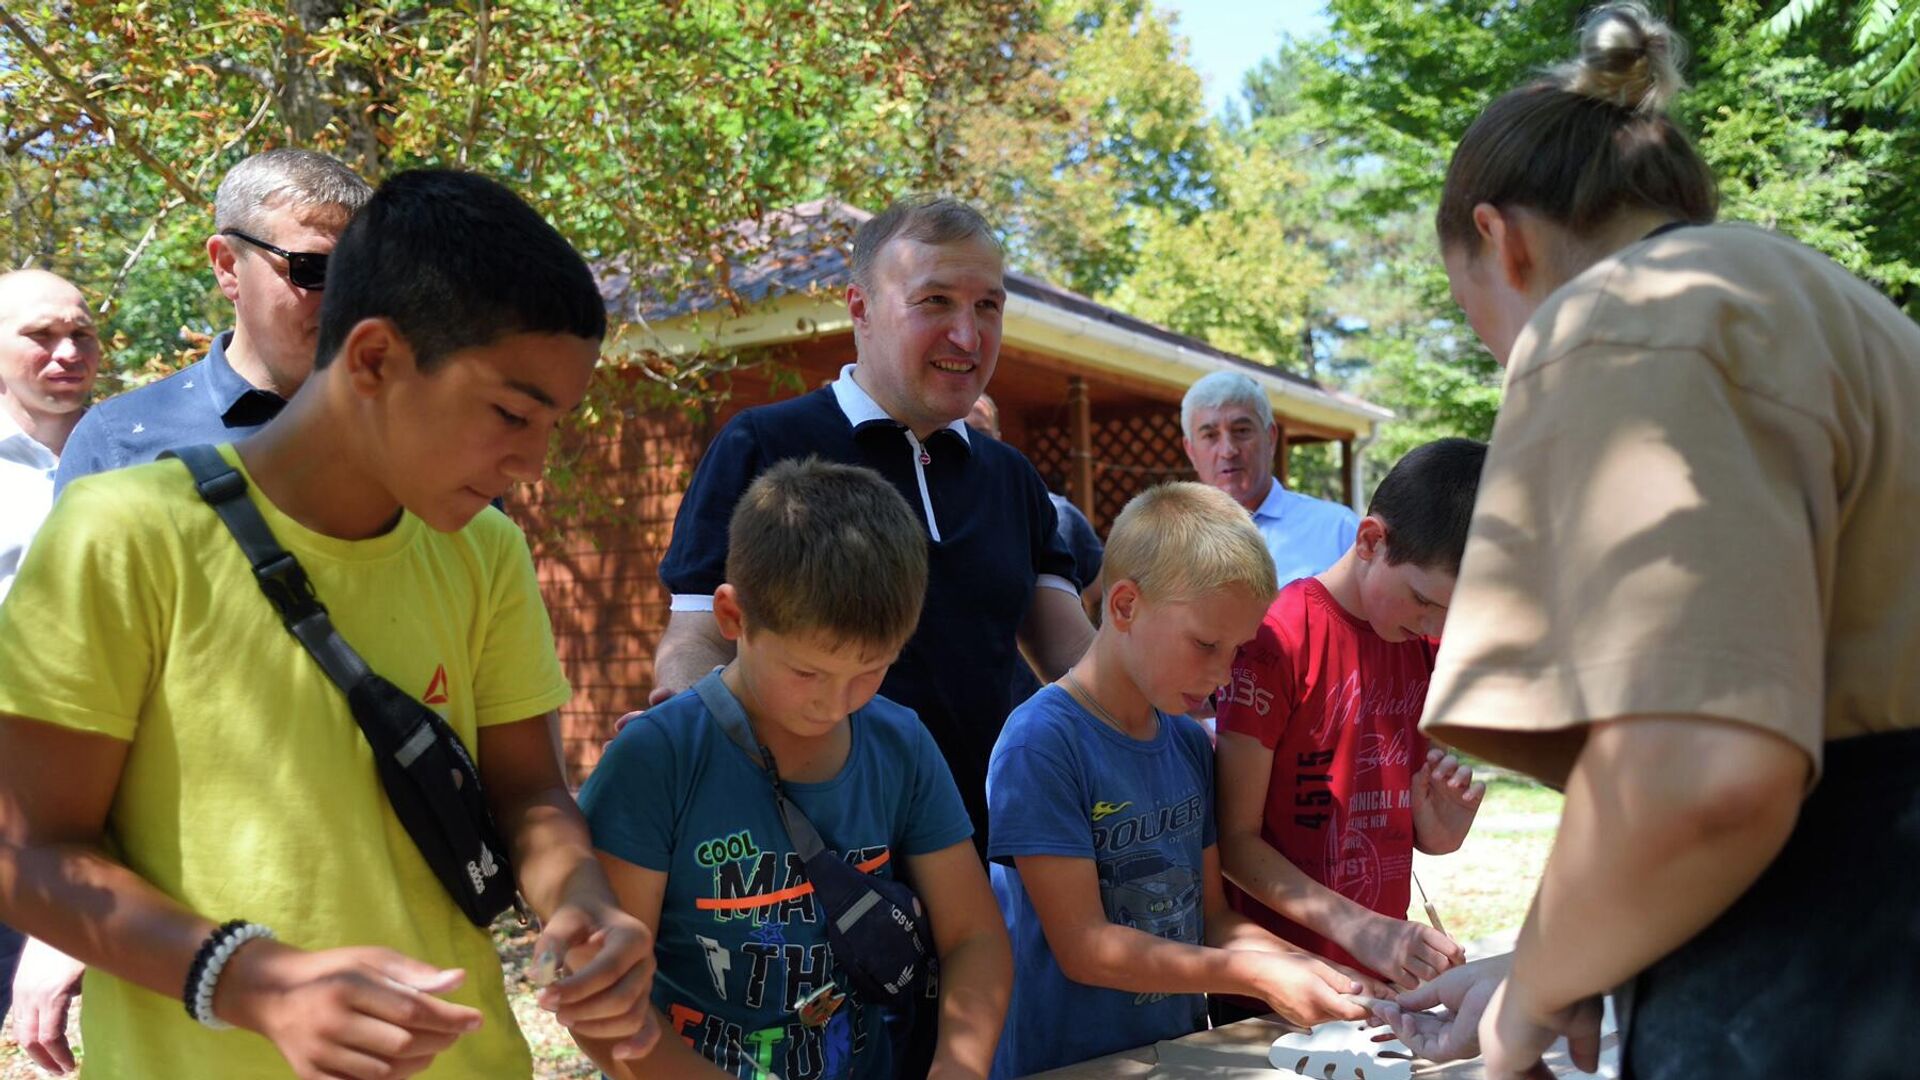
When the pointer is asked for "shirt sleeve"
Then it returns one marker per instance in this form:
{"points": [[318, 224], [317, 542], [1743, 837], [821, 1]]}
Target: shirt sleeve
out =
{"points": [[936, 818], [517, 674], [1037, 803], [1088, 551], [1260, 699], [630, 799], [696, 559], [87, 451], [1051, 558], [1642, 544], [82, 630]]}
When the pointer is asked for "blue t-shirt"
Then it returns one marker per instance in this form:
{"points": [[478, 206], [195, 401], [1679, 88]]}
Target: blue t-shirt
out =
{"points": [[1305, 535], [741, 940], [205, 402], [1063, 783]]}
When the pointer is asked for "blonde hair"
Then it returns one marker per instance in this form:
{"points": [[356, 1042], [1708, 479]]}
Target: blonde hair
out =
{"points": [[1183, 540]]}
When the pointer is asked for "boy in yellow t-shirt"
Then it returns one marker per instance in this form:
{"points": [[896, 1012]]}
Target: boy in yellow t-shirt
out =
{"points": [[171, 757]]}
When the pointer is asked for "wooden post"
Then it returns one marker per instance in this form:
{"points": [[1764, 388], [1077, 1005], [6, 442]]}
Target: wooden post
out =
{"points": [[1349, 472], [1080, 421], [1280, 452]]}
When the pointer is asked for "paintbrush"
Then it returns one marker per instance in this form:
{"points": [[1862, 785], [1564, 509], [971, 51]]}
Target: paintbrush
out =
{"points": [[1433, 914]]}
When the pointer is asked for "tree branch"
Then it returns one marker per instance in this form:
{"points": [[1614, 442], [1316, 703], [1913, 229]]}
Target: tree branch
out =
{"points": [[139, 249], [479, 80], [227, 65], [99, 116]]}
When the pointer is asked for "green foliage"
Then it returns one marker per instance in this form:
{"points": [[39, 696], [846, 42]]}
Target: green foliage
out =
{"points": [[1106, 141], [1239, 275], [1885, 69], [647, 130]]}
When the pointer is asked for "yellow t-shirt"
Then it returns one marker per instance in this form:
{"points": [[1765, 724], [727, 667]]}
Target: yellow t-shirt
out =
{"points": [[249, 792], [1699, 500]]}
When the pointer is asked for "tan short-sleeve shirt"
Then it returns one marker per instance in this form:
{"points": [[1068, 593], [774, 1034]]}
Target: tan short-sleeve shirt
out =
{"points": [[1700, 499]]}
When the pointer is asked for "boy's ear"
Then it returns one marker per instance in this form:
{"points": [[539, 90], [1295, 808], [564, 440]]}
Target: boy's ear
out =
{"points": [[1370, 539], [374, 355], [1122, 603], [728, 614]]}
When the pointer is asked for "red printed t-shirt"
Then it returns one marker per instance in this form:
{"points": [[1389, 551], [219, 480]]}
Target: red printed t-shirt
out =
{"points": [[1338, 705]]}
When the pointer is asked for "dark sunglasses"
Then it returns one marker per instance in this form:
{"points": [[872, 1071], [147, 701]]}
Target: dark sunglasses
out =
{"points": [[305, 269]]}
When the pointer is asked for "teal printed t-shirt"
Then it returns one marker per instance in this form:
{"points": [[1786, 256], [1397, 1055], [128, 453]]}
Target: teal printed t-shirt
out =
{"points": [[741, 940], [1063, 783]]}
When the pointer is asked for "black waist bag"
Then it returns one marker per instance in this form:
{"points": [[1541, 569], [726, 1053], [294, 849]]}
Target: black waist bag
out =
{"points": [[429, 779], [875, 927]]}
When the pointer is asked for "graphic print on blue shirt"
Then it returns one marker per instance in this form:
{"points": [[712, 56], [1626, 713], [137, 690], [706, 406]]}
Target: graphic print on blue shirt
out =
{"points": [[1063, 783], [741, 942]]}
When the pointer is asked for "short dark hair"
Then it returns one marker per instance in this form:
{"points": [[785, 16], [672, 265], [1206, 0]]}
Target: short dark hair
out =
{"points": [[825, 548], [1589, 139], [928, 219], [1426, 502], [456, 261]]}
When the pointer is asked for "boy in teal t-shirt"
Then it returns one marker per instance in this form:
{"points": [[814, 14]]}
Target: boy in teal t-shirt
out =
{"points": [[826, 571]]}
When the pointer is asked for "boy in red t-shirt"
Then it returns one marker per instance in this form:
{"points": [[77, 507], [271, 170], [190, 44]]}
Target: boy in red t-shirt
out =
{"points": [[1325, 784]]}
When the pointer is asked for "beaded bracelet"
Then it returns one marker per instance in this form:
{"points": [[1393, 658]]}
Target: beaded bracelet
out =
{"points": [[204, 974]]}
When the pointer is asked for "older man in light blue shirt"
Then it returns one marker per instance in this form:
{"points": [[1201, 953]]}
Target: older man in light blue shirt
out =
{"points": [[1230, 438]]}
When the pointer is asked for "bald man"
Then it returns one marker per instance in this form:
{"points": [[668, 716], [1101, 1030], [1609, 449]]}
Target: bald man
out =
{"points": [[49, 357]]}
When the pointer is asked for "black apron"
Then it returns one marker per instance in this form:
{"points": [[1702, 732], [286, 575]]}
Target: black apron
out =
{"points": [[1814, 974]]}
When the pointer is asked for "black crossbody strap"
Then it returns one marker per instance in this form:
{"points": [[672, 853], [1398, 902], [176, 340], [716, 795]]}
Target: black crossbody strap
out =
{"points": [[732, 719], [280, 575]]}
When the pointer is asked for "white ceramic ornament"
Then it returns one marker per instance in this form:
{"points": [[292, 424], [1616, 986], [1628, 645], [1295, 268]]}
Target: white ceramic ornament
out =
{"points": [[1339, 1051]]}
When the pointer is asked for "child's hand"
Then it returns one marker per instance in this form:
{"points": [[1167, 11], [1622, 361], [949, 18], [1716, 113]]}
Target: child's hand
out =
{"points": [[1455, 1034], [1407, 953], [1445, 799], [1303, 989], [43, 991], [607, 994], [344, 1012]]}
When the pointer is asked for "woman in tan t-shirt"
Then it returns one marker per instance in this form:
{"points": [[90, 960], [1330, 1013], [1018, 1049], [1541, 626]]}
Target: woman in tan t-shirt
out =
{"points": [[1689, 594]]}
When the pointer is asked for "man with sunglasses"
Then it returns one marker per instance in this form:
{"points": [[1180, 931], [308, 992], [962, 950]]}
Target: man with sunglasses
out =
{"points": [[276, 217]]}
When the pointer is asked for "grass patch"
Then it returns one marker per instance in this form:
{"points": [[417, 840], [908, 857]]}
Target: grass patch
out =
{"points": [[1483, 889]]}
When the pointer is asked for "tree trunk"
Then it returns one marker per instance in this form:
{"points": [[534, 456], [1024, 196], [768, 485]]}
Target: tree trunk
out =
{"points": [[312, 99]]}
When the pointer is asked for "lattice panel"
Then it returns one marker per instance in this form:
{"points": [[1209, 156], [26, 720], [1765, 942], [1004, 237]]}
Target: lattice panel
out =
{"points": [[1130, 454]]}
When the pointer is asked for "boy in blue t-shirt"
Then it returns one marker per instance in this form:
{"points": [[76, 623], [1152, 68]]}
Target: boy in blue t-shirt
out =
{"points": [[1101, 793], [826, 571]]}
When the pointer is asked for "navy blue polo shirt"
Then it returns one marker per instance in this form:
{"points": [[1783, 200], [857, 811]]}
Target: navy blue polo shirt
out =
{"points": [[204, 402], [992, 539]]}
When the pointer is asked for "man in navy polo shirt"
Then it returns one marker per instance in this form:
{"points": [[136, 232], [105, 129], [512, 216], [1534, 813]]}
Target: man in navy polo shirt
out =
{"points": [[926, 301], [276, 216]]}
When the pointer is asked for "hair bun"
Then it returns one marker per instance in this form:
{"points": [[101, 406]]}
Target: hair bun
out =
{"points": [[1628, 59]]}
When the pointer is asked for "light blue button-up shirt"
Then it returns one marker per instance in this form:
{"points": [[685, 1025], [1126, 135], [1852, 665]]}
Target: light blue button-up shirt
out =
{"points": [[1306, 535]]}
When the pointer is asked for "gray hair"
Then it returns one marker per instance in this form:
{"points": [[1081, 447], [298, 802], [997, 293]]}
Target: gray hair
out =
{"points": [[285, 177], [928, 219], [1219, 389]]}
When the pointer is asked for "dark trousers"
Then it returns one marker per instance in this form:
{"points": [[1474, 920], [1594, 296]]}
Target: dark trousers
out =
{"points": [[1815, 972], [11, 941]]}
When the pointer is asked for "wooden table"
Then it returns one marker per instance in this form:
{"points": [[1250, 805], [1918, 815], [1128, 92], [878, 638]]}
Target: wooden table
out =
{"points": [[1239, 1052]]}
